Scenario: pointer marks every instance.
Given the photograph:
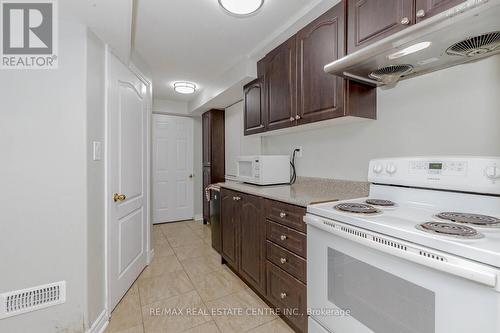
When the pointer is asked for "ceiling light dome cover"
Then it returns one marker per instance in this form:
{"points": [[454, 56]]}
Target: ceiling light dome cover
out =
{"points": [[184, 87], [241, 8]]}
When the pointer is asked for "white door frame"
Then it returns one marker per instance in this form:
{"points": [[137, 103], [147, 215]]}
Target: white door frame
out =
{"points": [[108, 191]]}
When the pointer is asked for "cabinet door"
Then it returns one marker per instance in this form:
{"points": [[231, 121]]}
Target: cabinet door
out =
{"points": [[206, 181], [280, 81], [371, 20], [206, 129], [320, 95], [254, 107], [428, 8], [229, 227], [252, 242]]}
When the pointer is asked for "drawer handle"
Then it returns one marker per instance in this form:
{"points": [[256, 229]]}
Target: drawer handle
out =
{"points": [[236, 198], [282, 215], [283, 237], [283, 295], [283, 260]]}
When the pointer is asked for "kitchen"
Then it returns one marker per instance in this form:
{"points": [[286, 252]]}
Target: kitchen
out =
{"points": [[335, 171]]}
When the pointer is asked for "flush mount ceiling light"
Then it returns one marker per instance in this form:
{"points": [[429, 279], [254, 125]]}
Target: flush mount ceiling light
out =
{"points": [[241, 8], [184, 87]]}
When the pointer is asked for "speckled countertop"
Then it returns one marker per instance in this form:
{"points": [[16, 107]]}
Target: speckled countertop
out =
{"points": [[305, 191]]}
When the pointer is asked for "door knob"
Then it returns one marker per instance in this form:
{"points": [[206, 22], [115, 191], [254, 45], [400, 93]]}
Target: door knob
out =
{"points": [[420, 13], [119, 197], [405, 21]]}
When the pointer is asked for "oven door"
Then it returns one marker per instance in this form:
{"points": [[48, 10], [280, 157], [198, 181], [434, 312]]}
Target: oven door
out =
{"points": [[353, 287]]}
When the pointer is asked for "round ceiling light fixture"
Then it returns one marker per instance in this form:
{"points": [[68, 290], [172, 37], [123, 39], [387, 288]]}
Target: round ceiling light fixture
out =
{"points": [[241, 8], [184, 87]]}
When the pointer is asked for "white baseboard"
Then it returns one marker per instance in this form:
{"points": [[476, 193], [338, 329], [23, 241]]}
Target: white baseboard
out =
{"points": [[198, 217], [151, 255], [100, 323]]}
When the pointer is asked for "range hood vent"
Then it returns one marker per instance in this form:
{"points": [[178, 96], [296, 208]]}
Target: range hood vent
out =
{"points": [[477, 45], [467, 32], [391, 74]]}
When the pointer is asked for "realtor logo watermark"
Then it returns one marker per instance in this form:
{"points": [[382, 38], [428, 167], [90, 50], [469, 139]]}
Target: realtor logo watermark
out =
{"points": [[29, 34]]}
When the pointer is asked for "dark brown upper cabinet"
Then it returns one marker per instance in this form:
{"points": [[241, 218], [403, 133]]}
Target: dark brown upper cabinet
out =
{"points": [[373, 20], [320, 95], [254, 121], [428, 8], [279, 82]]}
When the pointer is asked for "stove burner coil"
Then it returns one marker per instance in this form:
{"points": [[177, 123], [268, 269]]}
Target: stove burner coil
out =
{"points": [[450, 229], [379, 202], [475, 219], [358, 208]]}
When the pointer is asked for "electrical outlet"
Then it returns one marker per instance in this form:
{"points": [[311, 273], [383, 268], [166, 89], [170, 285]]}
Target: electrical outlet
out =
{"points": [[299, 152]]}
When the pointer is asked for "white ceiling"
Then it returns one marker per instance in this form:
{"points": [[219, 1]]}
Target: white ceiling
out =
{"points": [[196, 40]]}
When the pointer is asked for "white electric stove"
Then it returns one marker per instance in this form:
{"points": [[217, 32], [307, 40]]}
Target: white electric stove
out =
{"points": [[421, 254]]}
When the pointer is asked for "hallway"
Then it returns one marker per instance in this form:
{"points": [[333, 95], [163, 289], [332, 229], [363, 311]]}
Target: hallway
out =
{"points": [[187, 278]]}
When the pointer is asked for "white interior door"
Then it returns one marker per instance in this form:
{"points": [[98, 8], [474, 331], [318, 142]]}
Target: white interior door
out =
{"points": [[172, 168], [127, 176]]}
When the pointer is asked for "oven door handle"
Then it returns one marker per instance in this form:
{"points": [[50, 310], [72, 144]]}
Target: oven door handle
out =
{"points": [[451, 264]]}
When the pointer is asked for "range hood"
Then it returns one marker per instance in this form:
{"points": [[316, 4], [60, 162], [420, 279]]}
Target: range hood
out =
{"points": [[467, 32]]}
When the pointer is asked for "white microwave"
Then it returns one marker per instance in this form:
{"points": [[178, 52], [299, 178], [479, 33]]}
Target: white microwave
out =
{"points": [[264, 169]]}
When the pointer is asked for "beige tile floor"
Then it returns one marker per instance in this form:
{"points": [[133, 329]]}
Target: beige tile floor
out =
{"points": [[187, 278]]}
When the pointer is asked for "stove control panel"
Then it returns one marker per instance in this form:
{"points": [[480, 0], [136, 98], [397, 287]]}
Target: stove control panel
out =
{"points": [[455, 168], [459, 173]]}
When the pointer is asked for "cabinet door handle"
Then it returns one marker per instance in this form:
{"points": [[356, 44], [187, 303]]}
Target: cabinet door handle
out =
{"points": [[282, 214], [420, 13], [283, 260], [283, 295], [283, 237], [292, 119], [405, 21], [297, 117]]}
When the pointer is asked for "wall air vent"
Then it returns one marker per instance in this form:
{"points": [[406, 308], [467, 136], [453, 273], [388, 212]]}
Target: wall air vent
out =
{"points": [[21, 301], [477, 45]]}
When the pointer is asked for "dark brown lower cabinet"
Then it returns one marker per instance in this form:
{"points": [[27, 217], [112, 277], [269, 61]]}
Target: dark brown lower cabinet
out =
{"points": [[288, 294], [229, 227], [243, 236], [264, 242]]}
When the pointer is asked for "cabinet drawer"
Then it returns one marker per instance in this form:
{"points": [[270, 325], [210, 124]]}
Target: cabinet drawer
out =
{"points": [[286, 214], [288, 294], [287, 238], [286, 260]]}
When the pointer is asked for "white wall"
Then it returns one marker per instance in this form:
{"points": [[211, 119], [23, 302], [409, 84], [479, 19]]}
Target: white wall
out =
{"points": [[44, 186], [454, 111], [236, 143], [95, 259], [167, 106]]}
